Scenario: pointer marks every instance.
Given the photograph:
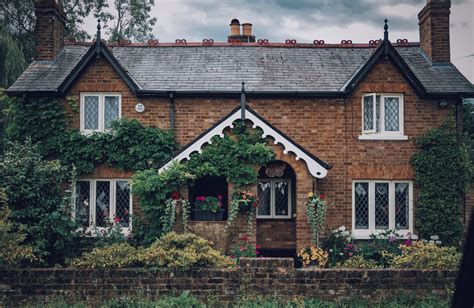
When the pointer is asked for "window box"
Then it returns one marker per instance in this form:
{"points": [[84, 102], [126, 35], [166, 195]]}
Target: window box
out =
{"points": [[203, 215]]}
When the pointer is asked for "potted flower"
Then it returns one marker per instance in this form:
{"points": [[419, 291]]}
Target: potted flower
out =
{"points": [[208, 208], [246, 201]]}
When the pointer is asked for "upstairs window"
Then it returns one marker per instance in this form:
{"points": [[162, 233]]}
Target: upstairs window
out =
{"points": [[99, 110], [382, 116]]}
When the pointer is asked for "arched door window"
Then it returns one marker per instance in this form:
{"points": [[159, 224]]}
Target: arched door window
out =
{"points": [[275, 189]]}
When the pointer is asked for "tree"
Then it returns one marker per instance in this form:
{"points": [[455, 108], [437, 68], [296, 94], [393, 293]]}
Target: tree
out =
{"points": [[132, 20]]}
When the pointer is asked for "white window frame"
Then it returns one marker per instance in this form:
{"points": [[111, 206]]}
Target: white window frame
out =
{"points": [[101, 115], [382, 134], [365, 233], [272, 199], [112, 207]]}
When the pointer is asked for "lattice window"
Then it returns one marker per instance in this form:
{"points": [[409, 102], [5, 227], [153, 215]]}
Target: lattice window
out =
{"points": [[381, 206], [369, 113], [274, 198], [264, 198], [83, 203], [122, 202], [102, 203], [112, 110], [402, 205], [91, 112], [361, 205], [392, 114], [281, 198]]}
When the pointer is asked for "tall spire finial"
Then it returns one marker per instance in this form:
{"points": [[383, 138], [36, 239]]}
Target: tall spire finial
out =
{"points": [[243, 102], [98, 30], [385, 27]]}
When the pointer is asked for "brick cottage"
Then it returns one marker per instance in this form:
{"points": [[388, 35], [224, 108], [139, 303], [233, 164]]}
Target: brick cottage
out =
{"points": [[342, 119]]}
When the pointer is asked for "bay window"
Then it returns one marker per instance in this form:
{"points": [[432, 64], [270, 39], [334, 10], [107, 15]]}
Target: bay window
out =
{"points": [[381, 205]]}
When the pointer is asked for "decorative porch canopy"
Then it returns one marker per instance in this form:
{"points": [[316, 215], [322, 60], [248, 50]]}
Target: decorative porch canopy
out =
{"points": [[316, 166]]}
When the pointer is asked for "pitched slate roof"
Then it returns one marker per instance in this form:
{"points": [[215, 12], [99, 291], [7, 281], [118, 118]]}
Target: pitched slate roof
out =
{"points": [[220, 69]]}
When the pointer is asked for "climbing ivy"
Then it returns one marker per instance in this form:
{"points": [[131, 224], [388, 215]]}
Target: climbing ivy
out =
{"points": [[442, 172], [129, 145], [234, 156]]}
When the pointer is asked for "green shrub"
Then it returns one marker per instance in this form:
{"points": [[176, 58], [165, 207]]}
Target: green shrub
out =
{"points": [[381, 248], [12, 250], [442, 172], [335, 244], [35, 197], [357, 262], [113, 256], [183, 251], [427, 255]]}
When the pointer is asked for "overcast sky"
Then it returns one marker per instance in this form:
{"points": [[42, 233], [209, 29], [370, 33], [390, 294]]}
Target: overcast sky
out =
{"points": [[306, 20]]}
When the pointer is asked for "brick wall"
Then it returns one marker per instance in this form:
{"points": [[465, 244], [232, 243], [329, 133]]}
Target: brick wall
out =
{"points": [[328, 128], [262, 276]]}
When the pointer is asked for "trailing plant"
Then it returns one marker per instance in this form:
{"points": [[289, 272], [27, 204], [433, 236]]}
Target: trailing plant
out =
{"points": [[245, 202], [169, 216], [443, 173], [35, 195], [13, 251], [316, 208], [245, 249]]}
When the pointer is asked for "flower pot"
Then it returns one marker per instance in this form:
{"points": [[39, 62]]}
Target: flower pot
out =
{"points": [[203, 215]]}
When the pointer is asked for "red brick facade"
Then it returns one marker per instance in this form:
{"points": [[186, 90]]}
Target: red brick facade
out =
{"points": [[328, 128]]}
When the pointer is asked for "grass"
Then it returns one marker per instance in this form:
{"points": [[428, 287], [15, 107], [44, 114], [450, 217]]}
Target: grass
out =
{"points": [[187, 300]]}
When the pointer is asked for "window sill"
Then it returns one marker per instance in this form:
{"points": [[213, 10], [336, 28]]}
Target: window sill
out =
{"points": [[365, 235], [382, 137]]}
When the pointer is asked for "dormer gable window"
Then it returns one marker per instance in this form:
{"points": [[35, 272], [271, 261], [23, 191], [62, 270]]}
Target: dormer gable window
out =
{"points": [[382, 117], [99, 110]]}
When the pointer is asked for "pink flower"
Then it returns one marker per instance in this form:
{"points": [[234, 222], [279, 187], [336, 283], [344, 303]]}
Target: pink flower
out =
{"points": [[232, 257], [117, 219], [242, 248], [408, 242], [219, 197], [125, 212], [258, 246], [257, 252], [321, 196]]}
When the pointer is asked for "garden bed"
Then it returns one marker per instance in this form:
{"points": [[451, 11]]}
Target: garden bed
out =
{"points": [[268, 277]]}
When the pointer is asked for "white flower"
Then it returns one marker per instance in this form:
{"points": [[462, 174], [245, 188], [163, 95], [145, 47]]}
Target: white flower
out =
{"points": [[438, 242], [86, 202], [342, 228], [434, 237]]}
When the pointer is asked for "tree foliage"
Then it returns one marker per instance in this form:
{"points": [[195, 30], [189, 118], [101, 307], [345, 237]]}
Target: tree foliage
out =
{"points": [[33, 188], [12, 61], [442, 172]]}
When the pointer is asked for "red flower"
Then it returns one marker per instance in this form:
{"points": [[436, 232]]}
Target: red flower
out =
{"points": [[232, 257], [258, 246], [244, 238], [321, 196], [255, 205], [175, 195], [117, 219]]}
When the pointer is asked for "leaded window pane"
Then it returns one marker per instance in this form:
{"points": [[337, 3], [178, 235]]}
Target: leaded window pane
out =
{"points": [[91, 112], [281, 198], [401, 205], [381, 206], [102, 205], [111, 112], [377, 113], [264, 196], [122, 203], [361, 205], [83, 189], [392, 110], [368, 113]]}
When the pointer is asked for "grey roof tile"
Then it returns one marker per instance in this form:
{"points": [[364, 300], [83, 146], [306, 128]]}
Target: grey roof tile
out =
{"points": [[224, 68]]}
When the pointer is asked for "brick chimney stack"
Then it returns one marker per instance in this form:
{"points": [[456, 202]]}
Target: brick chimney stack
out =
{"points": [[49, 29], [433, 21]]}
